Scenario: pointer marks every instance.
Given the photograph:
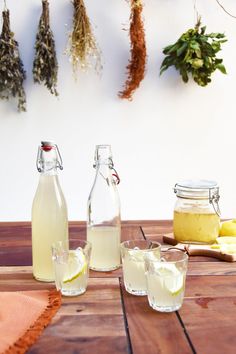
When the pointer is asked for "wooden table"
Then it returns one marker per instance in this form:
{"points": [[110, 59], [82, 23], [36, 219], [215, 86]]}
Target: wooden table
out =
{"points": [[107, 320]]}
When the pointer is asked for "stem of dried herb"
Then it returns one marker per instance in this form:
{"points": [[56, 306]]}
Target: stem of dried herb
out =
{"points": [[83, 48], [12, 72], [224, 9], [137, 63], [45, 66]]}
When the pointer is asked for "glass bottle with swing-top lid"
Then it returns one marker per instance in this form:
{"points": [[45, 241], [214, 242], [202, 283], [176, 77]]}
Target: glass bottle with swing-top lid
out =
{"points": [[196, 212], [49, 211], [103, 213]]}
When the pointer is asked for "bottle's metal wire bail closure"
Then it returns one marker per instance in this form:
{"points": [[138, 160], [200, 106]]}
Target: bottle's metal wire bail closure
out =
{"points": [[59, 163], [38, 160], [116, 176], [214, 199], [111, 166]]}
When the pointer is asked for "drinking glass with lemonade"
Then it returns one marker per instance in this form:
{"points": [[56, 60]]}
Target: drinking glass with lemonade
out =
{"points": [[166, 280], [132, 254], [71, 266]]}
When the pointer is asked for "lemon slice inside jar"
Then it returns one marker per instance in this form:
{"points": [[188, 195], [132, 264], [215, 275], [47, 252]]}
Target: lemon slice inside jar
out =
{"points": [[76, 266]]}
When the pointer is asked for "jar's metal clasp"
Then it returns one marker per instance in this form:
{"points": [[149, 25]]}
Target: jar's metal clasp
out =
{"points": [[175, 189], [214, 200]]}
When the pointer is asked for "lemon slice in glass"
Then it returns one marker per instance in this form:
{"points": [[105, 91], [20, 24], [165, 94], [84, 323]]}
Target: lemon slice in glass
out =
{"points": [[76, 265], [173, 279]]}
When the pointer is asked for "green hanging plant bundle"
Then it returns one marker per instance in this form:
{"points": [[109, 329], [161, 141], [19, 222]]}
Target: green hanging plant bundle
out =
{"points": [[194, 54], [12, 74], [45, 66], [83, 49]]}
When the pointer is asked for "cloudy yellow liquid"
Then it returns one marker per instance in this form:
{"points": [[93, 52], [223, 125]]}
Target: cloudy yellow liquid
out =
{"points": [[105, 242], [196, 227], [160, 297], [74, 287], [134, 273], [49, 225]]}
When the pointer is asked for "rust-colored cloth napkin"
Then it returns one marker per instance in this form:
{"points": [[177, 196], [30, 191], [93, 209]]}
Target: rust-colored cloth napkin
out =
{"points": [[23, 316]]}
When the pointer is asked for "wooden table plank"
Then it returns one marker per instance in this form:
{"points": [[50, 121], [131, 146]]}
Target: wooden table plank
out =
{"points": [[153, 332], [211, 268], [15, 241], [210, 286], [209, 313], [96, 321], [211, 329], [84, 323], [87, 324], [55, 344], [159, 228]]}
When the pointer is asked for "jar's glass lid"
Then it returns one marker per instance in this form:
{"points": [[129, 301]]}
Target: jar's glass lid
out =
{"points": [[196, 189], [197, 184]]}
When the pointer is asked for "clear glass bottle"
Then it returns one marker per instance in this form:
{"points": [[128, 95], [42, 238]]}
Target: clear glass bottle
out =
{"points": [[196, 212], [49, 212], [103, 217]]}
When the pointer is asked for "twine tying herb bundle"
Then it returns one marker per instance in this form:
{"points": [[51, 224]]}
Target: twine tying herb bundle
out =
{"points": [[12, 72], [83, 48], [194, 53], [137, 63], [45, 66]]}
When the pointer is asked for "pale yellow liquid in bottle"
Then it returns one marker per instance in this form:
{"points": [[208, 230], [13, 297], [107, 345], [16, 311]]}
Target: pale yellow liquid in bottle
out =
{"points": [[105, 242], [196, 227], [49, 224]]}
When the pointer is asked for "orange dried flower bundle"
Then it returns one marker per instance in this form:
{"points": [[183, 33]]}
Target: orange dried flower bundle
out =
{"points": [[137, 63]]}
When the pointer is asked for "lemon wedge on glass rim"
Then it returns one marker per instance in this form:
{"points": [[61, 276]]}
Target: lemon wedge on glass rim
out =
{"points": [[76, 265], [172, 278]]}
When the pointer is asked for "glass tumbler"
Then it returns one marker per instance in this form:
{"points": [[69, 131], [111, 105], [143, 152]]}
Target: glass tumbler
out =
{"points": [[71, 266], [166, 280], [132, 254]]}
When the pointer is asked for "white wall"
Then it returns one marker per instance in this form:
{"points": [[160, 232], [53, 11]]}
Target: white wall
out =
{"points": [[169, 131]]}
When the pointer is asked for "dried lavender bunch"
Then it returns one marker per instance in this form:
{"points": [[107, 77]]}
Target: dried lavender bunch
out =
{"points": [[12, 72], [83, 50], [45, 66]]}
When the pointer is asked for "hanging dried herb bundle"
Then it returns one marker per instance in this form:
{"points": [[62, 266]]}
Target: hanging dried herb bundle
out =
{"points": [[137, 63], [12, 72], [83, 50], [45, 66], [194, 54]]}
